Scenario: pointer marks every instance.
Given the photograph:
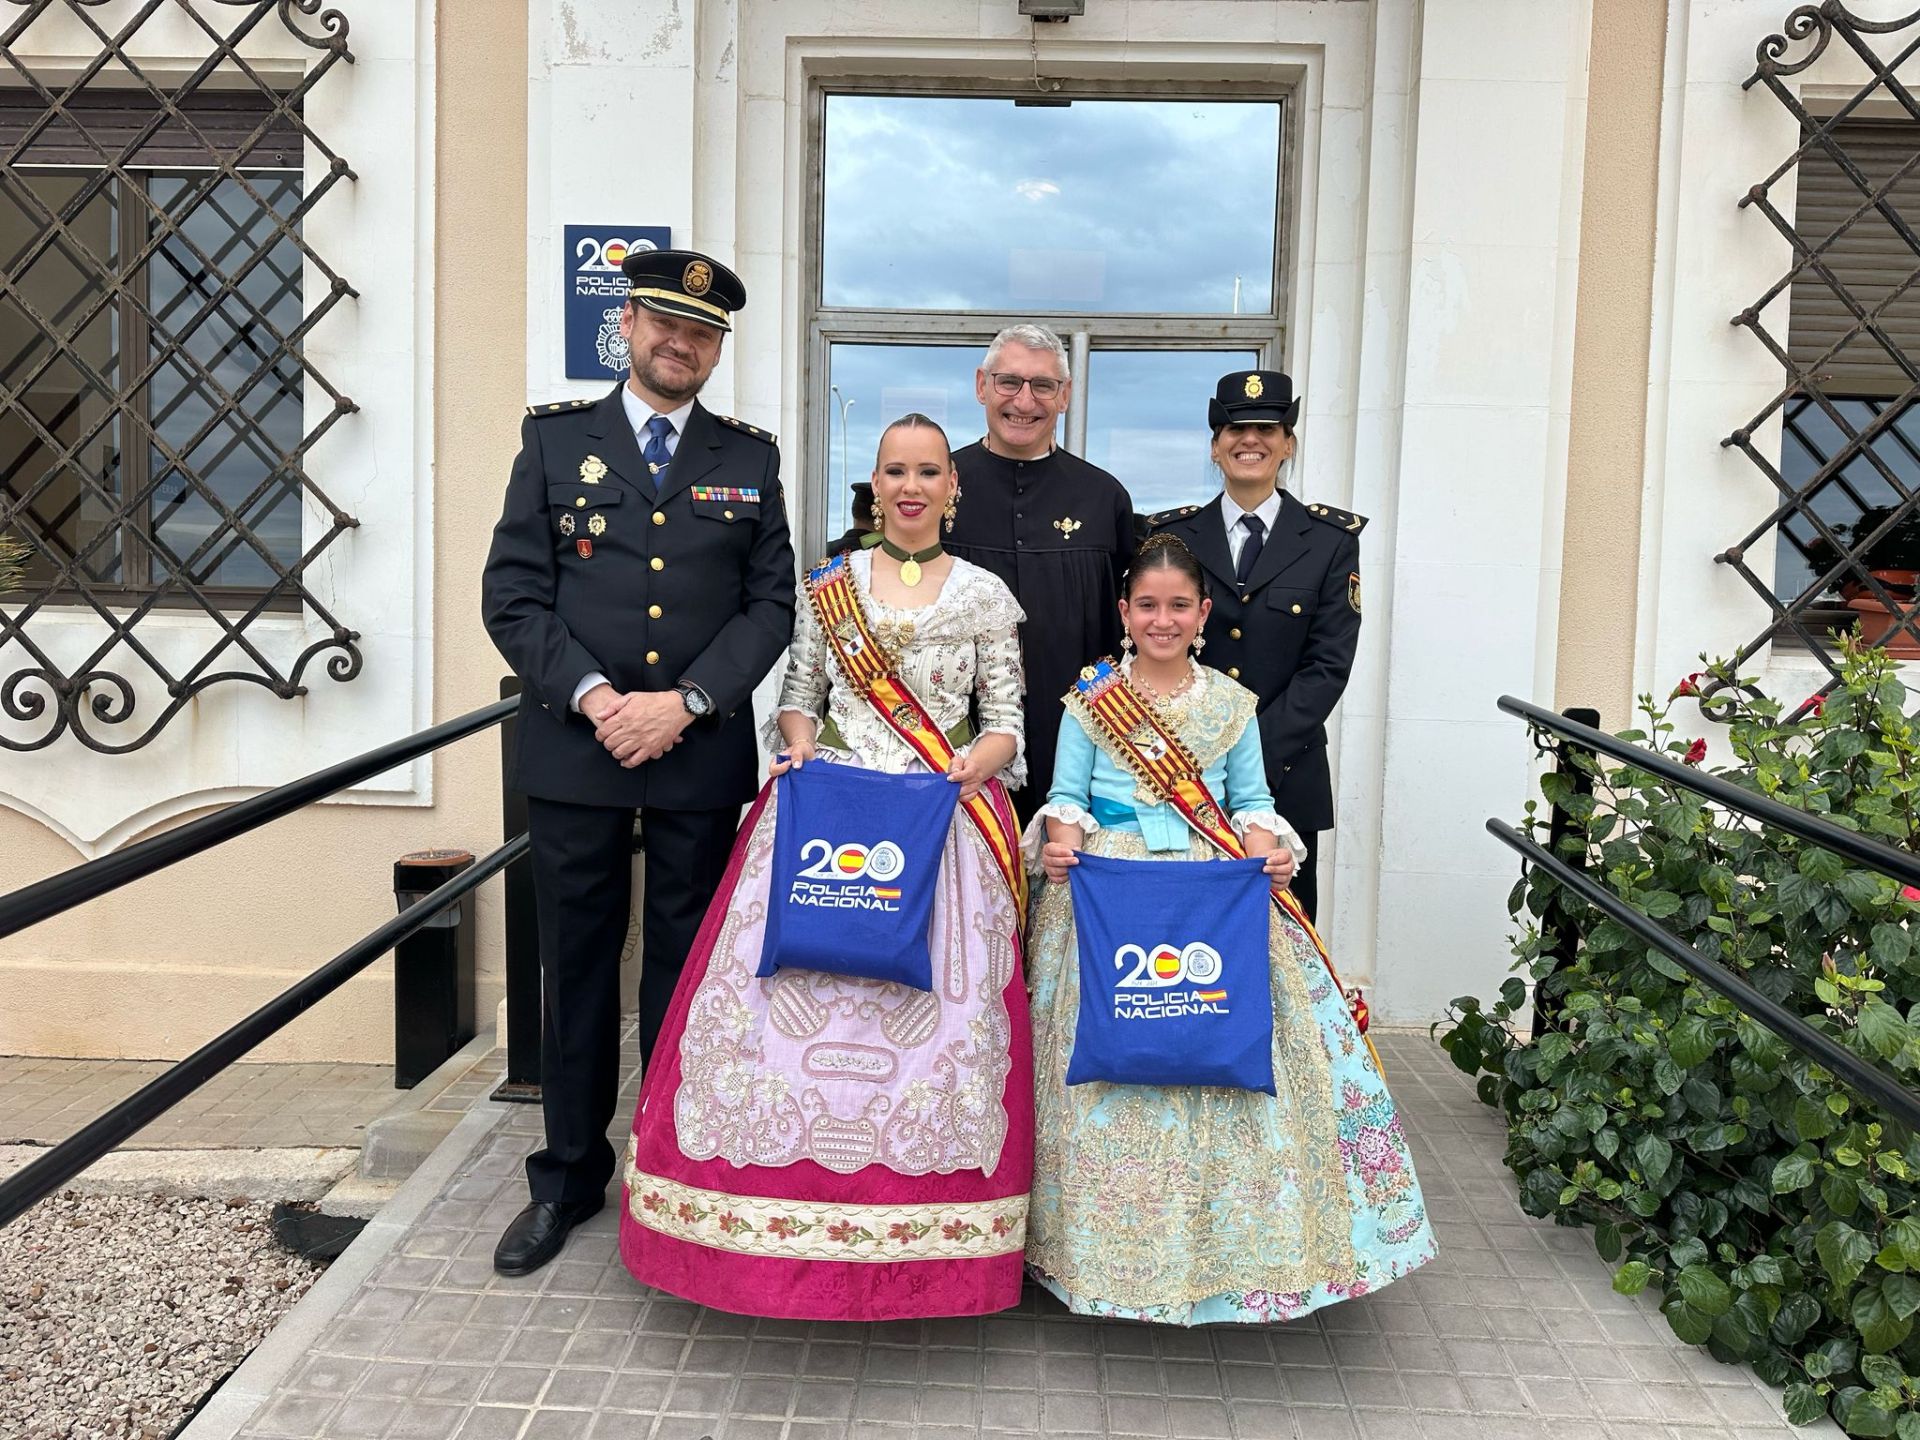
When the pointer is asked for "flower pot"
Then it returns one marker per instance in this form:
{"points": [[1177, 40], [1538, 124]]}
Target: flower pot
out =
{"points": [[1875, 623]]}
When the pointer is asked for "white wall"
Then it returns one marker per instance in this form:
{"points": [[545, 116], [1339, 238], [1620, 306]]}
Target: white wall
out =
{"points": [[235, 739]]}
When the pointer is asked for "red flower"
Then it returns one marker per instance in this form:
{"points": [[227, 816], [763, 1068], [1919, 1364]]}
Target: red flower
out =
{"points": [[954, 1229], [1002, 1226], [840, 1232], [653, 1200], [686, 1213], [1688, 686], [900, 1231], [1696, 752], [1909, 892], [782, 1226], [1816, 704]]}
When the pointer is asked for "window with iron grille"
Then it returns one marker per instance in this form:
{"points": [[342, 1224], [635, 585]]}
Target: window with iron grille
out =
{"points": [[116, 453], [158, 407], [1844, 531]]}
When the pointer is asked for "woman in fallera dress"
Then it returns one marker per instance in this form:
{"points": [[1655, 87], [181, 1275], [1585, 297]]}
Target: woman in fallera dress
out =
{"points": [[759, 1182], [1193, 1205]]}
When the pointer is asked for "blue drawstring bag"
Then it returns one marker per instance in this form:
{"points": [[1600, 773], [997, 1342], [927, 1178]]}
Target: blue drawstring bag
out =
{"points": [[1175, 987], [856, 856]]}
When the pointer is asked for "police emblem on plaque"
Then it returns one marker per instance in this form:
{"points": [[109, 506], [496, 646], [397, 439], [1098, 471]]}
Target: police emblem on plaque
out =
{"points": [[609, 344]]}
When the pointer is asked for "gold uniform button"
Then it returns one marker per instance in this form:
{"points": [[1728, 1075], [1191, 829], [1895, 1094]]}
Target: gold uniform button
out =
{"points": [[653, 657], [657, 563], [1246, 599], [1234, 634], [659, 517], [579, 501], [653, 612], [727, 513], [1296, 609], [1233, 672]]}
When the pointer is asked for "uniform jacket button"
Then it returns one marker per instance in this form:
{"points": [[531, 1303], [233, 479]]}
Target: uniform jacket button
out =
{"points": [[727, 513], [579, 502], [1296, 609], [653, 612], [1234, 633], [1233, 672], [653, 657], [656, 563], [659, 517]]}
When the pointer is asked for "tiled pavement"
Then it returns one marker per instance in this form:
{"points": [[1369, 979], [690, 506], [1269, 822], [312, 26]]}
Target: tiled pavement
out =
{"points": [[243, 1107], [1513, 1333]]}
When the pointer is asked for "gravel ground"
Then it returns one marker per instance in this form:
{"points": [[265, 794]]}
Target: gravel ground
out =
{"points": [[117, 1314]]}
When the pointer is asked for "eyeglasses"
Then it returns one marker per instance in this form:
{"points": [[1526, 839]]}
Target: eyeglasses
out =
{"points": [[1043, 387]]}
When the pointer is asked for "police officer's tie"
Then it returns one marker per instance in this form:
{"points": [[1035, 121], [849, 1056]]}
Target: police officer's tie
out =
{"points": [[655, 452], [1249, 548]]}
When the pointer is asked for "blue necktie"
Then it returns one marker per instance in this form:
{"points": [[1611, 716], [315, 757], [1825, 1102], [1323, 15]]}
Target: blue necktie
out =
{"points": [[655, 452], [1250, 547]]}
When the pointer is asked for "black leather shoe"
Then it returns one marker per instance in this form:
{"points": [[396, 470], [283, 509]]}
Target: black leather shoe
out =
{"points": [[538, 1232]]}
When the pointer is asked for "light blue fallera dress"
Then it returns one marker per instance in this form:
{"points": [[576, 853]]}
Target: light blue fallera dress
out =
{"points": [[1195, 1205]]}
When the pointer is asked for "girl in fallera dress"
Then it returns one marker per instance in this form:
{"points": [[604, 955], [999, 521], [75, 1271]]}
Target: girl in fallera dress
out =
{"points": [[1192, 1205], [760, 1181]]}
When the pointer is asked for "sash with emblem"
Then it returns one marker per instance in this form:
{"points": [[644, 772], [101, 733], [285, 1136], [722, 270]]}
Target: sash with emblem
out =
{"points": [[1106, 704], [869, 670]]}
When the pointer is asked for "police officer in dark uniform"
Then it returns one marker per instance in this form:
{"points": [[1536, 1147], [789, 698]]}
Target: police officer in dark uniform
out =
{"points": [[1286, 596], [640, 585]]}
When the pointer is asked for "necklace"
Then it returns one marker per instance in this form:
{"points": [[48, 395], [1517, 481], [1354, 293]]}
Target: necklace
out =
{"points": [[910, 560], [1155, 695]]}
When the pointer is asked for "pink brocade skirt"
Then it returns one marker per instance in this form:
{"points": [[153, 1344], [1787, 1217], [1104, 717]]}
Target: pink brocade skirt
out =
{"points": [[824, 1148]]}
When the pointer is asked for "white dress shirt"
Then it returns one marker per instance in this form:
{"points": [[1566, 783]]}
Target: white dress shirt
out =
{"points": [[1268, 510], [638, 414]]}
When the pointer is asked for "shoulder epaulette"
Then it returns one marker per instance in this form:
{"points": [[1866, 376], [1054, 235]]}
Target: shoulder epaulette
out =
{"points": [[742, 426], [1167, 517], [560, 407], [1340, 519]]}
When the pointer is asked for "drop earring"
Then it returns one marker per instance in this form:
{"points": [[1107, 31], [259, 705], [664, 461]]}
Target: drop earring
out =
{"points": [[953, 507], [1126, 641], [1199, 643]]}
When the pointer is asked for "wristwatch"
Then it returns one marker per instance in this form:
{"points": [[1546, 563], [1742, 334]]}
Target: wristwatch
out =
{"points": [[695, 699]]}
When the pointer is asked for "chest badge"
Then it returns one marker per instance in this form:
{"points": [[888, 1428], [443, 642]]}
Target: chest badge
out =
{"points": [[583, 548], [593, 470], [1066, 525], [566, 523], [596, 524]]}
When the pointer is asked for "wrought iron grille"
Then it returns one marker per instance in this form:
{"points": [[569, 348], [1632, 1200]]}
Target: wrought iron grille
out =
{"points": [[1848, 482], [157, 405]]}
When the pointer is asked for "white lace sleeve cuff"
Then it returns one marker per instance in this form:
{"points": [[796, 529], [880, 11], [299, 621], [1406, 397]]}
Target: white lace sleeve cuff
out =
{"points": [[1272, 822], [1035, 835], [1013, 774]]}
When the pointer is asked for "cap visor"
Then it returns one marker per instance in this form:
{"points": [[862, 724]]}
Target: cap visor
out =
{"points": [[684, 311], [1262, 414]]}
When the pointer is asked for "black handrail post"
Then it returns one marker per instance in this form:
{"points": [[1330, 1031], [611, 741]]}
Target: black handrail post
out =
{"points": [[522, 1082], [432, 969], [1563, 938]]}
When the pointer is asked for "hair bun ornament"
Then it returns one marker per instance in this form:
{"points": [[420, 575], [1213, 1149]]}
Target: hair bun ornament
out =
{"points": [[1162, 540]]}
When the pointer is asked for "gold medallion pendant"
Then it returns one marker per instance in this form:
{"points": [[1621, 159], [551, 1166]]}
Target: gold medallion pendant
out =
{"points": [[910, 573], [910, 570]]}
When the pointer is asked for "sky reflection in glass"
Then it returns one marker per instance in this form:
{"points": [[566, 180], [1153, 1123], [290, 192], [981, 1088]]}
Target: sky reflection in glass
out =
{"points": [[961, 202]]}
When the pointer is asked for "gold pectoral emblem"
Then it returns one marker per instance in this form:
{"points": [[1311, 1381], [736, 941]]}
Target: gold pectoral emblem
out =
{"points": [[566, 523], [593, 470], [1066, 525], [1254, 389], [596, 524]]}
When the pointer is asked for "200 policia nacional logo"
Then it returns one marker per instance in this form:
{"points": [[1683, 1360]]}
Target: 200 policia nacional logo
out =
{"points": [[849, 877], [1168, 981]]}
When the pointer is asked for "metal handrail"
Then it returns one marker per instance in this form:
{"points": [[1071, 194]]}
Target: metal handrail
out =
{"points": [[29, 1186], [1867, 1078], [1862, 849], [1862, 1074], [49, 897]]}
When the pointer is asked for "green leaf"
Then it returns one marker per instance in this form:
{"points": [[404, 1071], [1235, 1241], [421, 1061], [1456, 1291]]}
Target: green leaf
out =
{"points": [[1843, 1252], [1804, 1404], [1891, 946], [1654, 1155], [1798, 1312], [1903, 1294], [1860, 889], [1606, 1241], [1906, 1235], [1658, 904], [1880, 1329], [1841, 1193], [1883, 1372], [1907, 1427], [1667, 1076], [1812, 1121], [1691, 1041], [1764, 1270], [1691, 1325], [1882, 1027], [1862, 1414], [1631, 1278], [1821, 865], [1792, 1172], [1705, 1291]]}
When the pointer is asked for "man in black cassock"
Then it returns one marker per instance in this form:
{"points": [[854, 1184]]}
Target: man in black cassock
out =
{"points": [[1058, 530]]}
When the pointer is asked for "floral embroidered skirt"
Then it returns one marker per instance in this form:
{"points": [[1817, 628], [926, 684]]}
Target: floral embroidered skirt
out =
{"points": [[815, 1146], [1194, 1205]]}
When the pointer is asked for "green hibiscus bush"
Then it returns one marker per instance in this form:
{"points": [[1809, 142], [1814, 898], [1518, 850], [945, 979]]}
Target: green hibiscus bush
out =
{"points": [[1774, 1213]]}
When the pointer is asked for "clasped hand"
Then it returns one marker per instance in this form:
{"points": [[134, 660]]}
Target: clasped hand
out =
{"points": [[636, 727]]}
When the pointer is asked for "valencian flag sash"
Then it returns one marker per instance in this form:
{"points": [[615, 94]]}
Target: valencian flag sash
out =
{"points": [[1105, 703], [1174, 981], [856, 857], [869, 671]]}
